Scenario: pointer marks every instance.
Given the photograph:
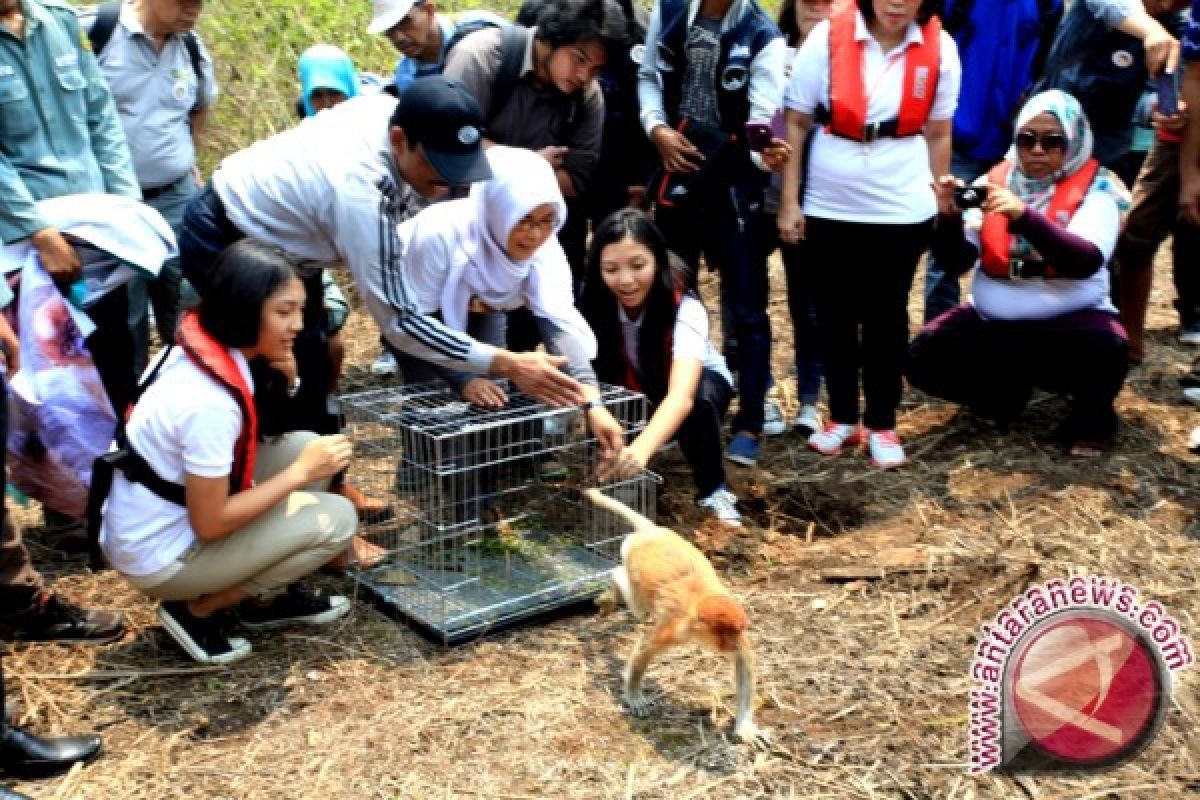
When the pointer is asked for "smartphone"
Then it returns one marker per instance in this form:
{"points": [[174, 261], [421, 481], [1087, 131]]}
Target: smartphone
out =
{"points": [[758, 135], [970, 196], [1168, 95]]}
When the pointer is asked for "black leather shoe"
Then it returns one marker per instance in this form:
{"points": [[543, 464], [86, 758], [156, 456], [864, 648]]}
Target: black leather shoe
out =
{"points": [[52, 619], [24, 755], [9, 794]]}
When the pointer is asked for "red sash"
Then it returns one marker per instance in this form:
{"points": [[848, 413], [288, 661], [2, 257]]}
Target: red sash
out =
{"points": [[214, 359]]}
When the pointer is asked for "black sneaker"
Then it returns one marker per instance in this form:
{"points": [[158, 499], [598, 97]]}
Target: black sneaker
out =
{"points": [[295, 606], [52, 619], [201, 637]]}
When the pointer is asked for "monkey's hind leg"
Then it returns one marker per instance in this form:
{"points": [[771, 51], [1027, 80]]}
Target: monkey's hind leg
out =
{"points": [[620, 580], [650, 645]]}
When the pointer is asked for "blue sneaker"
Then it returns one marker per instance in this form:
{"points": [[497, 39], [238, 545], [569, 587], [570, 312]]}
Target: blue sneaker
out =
{"points": [[743, 449]]}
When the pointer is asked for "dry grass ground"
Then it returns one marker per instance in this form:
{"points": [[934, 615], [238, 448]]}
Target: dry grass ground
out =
{"points": [[863, 684]]}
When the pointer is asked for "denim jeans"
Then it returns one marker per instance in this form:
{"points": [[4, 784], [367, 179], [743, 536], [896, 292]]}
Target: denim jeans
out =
{"points": [[727, 225], [942, 291]]}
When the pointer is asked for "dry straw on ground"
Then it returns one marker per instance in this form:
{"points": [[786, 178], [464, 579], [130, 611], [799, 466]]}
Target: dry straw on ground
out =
{"points": [[865, 589]]}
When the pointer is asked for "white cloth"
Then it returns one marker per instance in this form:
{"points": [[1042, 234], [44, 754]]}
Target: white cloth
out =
{"points": [[1099, 221], [689, 338], [327, 190], [126, 229], [454, 251], [186, 422], [887, 181]]}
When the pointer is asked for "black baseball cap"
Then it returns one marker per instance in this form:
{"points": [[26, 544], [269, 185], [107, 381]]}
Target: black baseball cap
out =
{"points": [[441, 114]]}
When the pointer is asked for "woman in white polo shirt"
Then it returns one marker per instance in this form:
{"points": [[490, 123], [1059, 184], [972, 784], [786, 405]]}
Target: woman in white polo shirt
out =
{"points": [[1039, 314], [882, 117]]}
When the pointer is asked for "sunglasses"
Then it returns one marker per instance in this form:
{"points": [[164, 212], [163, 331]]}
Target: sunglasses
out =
{"points": [[1026, 140]]}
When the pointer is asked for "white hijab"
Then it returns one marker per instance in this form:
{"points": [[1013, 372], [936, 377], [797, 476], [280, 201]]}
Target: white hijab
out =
{"points": [[473, 232]]}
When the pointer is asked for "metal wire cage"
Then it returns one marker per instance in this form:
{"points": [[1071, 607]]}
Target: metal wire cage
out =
{"points": [[487, 527]]}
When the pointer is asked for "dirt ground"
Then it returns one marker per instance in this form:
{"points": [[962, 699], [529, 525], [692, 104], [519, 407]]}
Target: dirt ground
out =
{"points": [[865, 589]]}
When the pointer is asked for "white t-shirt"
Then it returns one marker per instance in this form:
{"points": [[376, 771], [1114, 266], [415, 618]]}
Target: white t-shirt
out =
{"points": [[185, 422], [1099, 221], [886, 181], [688, 340]]}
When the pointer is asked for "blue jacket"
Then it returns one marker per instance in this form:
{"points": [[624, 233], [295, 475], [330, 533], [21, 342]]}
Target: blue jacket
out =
{"points": [[740, 44], [998, 43]]}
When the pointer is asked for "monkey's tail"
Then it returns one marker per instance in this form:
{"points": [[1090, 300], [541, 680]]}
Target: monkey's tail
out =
{"points": [[614, 506]]}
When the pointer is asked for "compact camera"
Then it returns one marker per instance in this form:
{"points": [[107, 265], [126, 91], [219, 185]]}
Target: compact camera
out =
{"points": [[970, 196]]}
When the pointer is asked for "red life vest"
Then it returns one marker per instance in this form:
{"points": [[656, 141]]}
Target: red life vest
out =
{"points": [[632, 381], [213, 359], [848, 96], [995, 240]]}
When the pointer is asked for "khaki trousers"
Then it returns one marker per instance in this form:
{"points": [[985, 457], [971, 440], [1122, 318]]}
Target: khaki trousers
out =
{"points": [[293, 539]]}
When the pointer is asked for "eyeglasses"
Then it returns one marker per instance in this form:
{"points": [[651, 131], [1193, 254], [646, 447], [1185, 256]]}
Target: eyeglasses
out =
{"points": [[1026, 140], [530, 225]]}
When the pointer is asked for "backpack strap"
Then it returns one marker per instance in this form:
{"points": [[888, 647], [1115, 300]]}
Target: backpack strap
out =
{"points": [[105, 23], [513, 42], [135, 468], [193, 49]]}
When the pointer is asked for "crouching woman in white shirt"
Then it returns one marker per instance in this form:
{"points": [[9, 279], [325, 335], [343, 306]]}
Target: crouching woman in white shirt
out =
{"points": [[206, 518]]}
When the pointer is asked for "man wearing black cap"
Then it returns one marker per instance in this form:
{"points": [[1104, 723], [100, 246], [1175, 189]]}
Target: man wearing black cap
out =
{"points": [[332, 190]]}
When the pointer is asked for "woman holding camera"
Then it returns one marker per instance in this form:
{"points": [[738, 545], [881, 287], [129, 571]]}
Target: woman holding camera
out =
{"points": [[1040, 314], [869, 110]]}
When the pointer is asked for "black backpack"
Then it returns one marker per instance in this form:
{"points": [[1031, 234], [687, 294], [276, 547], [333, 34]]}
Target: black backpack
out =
{"points": [[512, 58], [102, 29]]}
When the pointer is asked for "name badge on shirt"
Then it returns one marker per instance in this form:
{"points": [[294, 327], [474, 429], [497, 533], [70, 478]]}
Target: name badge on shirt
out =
{"points": [[6, 71], [68, 59]]}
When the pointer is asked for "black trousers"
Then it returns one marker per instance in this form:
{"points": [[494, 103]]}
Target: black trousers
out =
{"points": [[207, 231], [699, 436], [993, 366], [862, 276]]}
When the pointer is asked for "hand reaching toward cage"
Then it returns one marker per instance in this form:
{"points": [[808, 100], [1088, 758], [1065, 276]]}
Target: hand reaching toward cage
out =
{"points": [[539, 375], [608, 432], [625, 465], [484, 393]]}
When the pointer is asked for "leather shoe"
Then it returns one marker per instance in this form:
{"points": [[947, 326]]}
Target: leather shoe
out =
{"points": [[52, 619], [12, 794], [24, 755]]}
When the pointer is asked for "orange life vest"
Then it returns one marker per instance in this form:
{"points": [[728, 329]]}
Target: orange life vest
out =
{"points": [[214, 359], [848, 96], [995, 240]]}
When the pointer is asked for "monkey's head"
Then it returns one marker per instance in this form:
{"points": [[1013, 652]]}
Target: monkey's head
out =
{"points": [[723, 620]]}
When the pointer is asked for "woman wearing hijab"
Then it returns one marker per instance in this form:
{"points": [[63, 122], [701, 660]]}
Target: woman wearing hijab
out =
{"points": [[472, 259], [327, 77], [1039, 315]]}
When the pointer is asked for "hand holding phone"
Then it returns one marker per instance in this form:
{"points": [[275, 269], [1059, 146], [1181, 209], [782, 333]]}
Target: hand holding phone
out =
{"points": [[758, 136], [970, 196], [1168, 96]]}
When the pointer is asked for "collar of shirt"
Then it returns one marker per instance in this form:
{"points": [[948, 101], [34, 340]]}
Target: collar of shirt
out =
{"points": [[911, 36], [527, 64]]}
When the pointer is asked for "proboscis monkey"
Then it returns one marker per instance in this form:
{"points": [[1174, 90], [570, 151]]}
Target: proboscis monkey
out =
{"points": [[665, 579]]}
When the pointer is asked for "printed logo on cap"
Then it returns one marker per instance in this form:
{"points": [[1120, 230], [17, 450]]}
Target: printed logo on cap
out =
{"points": [[468, 134]]}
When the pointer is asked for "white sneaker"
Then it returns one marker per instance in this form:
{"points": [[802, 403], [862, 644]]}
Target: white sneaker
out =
{"points": [[722, 504], [773, 422], [886, 450], [385, 364], [1194, 440], [1192, 395], [835, 437], [808, 421]]}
